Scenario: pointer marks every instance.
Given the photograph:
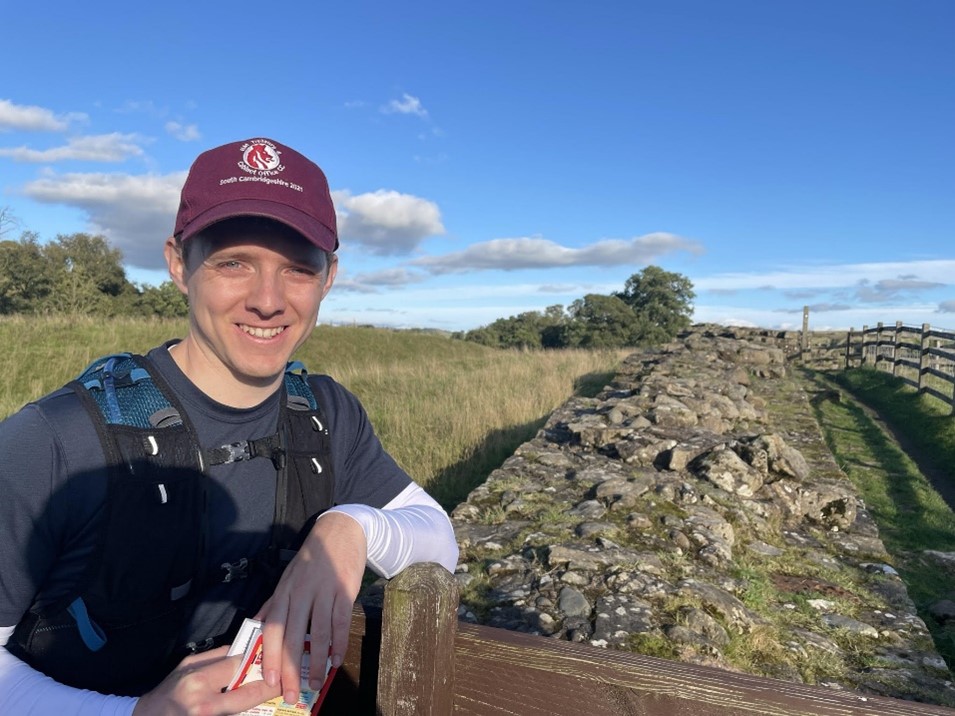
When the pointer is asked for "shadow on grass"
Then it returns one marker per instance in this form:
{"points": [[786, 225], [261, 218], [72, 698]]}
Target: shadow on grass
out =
{"points": [[451, 486], [926, 437], [892, 444]]}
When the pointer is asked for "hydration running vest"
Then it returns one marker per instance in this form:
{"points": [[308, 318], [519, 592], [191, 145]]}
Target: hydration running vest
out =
{"points": [[118, 632]]}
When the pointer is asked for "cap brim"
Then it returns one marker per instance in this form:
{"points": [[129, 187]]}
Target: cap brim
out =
{"points": [[309, 227]]}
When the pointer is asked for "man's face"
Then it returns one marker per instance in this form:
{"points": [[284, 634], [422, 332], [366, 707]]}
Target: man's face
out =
{"points": [[254, 291]]}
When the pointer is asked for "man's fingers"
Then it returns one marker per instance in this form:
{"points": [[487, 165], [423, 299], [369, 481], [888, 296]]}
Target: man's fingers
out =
{"points": [[246, 697], [341, 624], [295, 629], [273, 635]]}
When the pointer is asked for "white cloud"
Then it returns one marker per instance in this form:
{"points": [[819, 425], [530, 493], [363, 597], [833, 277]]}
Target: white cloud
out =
{"points": [[831, 276], [539, 253], [386, 222], [889, 289], [373, 282], [35, 119], [136, 213], [946, 307], [408, 104], [113, 147], [183, 132]]}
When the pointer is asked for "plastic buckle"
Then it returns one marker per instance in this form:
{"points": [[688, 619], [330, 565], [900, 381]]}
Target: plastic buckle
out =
{"points": [[235, 570], [197, 647], [237, 451]]}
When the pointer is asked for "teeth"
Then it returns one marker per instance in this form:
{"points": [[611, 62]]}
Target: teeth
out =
{"points": [[262, 332]]}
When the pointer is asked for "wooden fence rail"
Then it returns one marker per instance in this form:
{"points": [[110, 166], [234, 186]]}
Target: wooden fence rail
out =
{"points": [[414, 658], [922, 357]]}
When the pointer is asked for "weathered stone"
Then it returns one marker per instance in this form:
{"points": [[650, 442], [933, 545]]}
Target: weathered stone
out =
{"points": [[617, 617], [725, 469], [591, 509], [593, 529], [772, 456], [573, 603], [767, 550], [680, 462], [943, 559], [702, 623], [731, 609], [839, 621]]}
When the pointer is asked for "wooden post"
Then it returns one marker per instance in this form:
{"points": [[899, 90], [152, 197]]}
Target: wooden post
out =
{"points": [[923, 356], [865, 345], [804, 344], [878, 343], [849, 349], [895, 347], [419, 626]]}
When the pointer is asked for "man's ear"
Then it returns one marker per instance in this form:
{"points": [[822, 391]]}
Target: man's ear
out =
{"points": [[330, 274], [176, 264]]}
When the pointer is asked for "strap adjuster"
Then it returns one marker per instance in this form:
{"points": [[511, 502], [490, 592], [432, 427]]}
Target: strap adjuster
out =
{"points": [[235, 570], [197, 647]]}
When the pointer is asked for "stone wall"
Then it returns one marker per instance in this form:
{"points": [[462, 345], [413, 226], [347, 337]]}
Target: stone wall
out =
{"points": [[693, 511]]}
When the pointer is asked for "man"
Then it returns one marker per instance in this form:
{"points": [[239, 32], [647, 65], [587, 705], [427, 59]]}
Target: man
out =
{"points": [[151, 505]]}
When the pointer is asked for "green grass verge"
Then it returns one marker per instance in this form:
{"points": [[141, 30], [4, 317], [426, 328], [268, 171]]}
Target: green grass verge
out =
{"points": [[895, 478]]}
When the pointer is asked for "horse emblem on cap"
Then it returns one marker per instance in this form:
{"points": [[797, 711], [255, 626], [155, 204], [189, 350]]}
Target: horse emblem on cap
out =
{"points": [[261, 156]]}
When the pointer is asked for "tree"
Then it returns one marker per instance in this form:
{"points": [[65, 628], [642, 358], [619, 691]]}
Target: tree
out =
{"points": [[661, 300], [599, 321], [164, 301], [25, 276], [100, 264], [8, 222]]}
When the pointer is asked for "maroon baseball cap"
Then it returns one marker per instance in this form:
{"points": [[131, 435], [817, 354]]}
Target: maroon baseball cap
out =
{"points": [[258, 177]]}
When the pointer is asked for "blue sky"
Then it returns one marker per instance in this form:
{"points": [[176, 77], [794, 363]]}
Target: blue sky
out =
{"points": [[493, 158]]}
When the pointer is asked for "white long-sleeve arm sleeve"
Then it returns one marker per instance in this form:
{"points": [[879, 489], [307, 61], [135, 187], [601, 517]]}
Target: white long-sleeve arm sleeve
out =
{"points": [[411, 528], [27, 692]]}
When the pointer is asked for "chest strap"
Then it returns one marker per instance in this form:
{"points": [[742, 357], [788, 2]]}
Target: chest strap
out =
{"points": [[270, 447]]}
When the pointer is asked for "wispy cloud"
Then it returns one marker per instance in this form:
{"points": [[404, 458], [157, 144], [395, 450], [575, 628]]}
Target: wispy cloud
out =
{"points": [[35, 119], [831, 276], [539, 253], [136, 213], [146, 106], [113, 147], [408, 104], [818, 308], [889, 289], [386, 222], [946, 307], [375, 281], [183, 132]]}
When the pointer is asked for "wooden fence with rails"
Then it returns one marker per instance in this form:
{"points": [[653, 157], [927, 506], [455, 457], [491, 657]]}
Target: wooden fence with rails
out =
{"points": [[921, 356], [413, 658]]}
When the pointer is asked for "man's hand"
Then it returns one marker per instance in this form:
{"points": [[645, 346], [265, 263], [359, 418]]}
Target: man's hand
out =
{"points": [[315, 595], [195, 688]]}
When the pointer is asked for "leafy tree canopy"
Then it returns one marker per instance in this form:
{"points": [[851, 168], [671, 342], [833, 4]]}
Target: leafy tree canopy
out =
{"points": [[75, 273], [654, 306]]}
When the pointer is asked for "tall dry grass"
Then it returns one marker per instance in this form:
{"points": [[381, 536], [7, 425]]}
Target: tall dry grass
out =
{"points": [[448, 411]]}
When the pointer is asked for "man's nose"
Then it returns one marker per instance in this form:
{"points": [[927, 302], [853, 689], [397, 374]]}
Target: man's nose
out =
{"points": [[267, 294]]}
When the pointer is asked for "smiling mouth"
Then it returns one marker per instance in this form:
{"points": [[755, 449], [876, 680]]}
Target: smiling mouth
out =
{"points": [[262, 332]]}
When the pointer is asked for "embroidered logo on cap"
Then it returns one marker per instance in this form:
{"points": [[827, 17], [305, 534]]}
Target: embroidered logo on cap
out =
{"points": [[261, 157]]}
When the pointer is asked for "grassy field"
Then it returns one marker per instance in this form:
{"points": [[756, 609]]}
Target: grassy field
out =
{"points": [[898, 448], [448, 411]]}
